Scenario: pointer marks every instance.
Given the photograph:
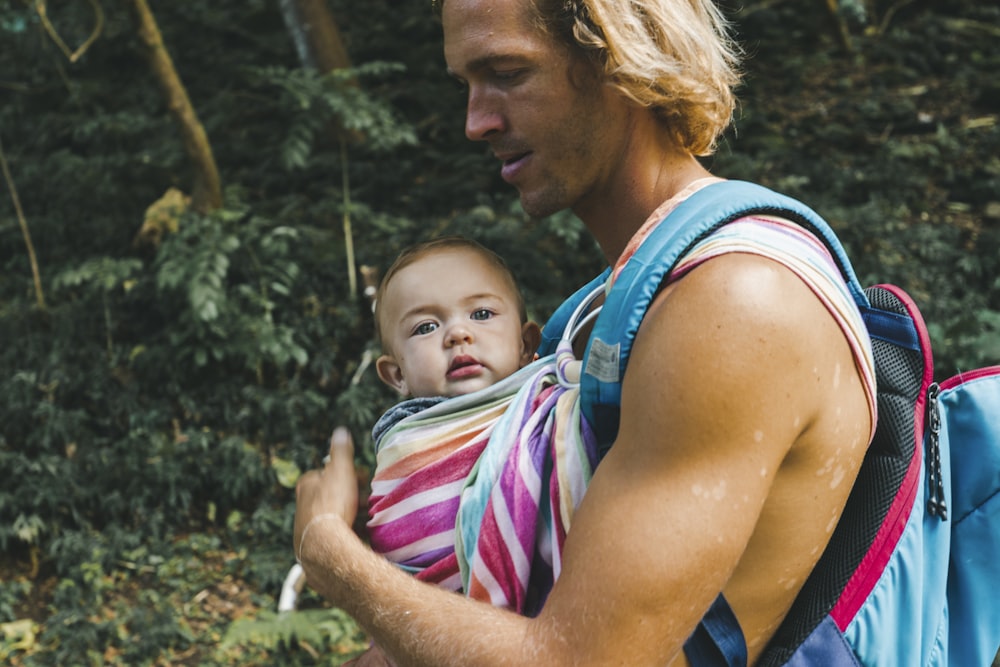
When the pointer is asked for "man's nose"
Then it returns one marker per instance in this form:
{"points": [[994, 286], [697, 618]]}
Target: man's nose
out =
{"points": [[482, 116]]}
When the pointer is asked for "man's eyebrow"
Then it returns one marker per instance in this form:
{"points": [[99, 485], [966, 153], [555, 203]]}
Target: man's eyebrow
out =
{"points": [[487, 61]]}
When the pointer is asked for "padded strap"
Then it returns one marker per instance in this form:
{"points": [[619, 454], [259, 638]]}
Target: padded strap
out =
{"points": [[894, 328], [640, 280], [718, 640]]}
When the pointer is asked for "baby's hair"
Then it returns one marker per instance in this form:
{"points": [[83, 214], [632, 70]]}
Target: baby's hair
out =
{"points": [[418, 251]]}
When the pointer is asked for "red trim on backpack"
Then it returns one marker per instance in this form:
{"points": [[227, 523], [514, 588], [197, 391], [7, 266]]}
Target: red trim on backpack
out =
{"points": [[956, 380], [870, 570]]}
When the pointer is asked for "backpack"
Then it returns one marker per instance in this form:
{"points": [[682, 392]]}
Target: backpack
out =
{"points": [[908, 575]]}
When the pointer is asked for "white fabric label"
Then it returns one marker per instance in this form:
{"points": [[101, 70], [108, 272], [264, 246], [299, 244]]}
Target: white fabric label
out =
{"points": [[602, 363]]}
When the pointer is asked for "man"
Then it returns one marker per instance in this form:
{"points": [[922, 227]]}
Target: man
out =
{"points": [[746, 409]]}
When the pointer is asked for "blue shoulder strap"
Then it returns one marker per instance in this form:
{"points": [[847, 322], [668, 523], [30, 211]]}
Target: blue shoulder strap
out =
{"points": [[705, 211]]}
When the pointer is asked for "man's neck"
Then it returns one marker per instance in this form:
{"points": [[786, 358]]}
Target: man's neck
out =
{"points": [[649, 171]]}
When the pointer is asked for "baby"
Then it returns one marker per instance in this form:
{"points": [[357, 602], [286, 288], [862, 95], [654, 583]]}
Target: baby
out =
{"points": [[479, 427], [451, 320]]}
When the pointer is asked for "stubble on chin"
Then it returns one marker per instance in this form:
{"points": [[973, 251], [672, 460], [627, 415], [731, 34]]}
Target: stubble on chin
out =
{"points": [[548, 201]]}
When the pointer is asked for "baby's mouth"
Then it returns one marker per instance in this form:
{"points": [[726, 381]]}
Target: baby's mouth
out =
{"points": [[463, 366]]}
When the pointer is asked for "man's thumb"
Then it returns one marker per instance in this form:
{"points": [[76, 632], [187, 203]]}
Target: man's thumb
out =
{"points": [[342, 447]]}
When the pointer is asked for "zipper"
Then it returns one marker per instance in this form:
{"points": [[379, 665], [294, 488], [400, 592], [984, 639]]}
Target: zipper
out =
{"points": [[936, 505]]}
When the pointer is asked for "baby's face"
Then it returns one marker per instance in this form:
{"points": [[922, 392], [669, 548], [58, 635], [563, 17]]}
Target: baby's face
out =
{"points": [[452, 325]]}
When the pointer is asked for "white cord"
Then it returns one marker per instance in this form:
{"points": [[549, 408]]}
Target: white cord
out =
{"points": [[291, 588], [305, 531], [573, 327]]}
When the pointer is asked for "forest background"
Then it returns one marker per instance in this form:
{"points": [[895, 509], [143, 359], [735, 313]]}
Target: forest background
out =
{"points": [[189, 226]]}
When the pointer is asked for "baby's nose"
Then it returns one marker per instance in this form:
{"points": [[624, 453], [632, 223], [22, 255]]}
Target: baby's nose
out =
{"points": [[458, 334]]}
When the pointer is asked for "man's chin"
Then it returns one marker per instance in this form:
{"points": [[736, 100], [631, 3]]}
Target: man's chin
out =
{"points": [[539, 207]]}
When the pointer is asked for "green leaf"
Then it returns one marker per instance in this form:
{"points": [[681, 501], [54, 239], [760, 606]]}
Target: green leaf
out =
{"points": [[287, 472]]}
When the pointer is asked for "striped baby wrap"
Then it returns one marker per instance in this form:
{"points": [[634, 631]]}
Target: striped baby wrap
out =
{"points": [[476, 493]]}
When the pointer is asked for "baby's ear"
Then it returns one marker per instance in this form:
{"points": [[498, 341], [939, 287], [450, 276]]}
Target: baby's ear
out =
{"points": [[531, 337], [391, 374]]}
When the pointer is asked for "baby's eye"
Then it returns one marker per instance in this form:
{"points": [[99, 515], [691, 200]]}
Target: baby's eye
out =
{"points": [[481, 314], [424, 328]]}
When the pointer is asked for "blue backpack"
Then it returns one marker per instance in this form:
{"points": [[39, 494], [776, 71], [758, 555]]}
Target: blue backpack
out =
{"points": [[909, 574]]}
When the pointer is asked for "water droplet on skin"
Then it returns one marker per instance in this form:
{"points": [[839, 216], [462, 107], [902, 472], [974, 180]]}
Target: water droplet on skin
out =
{"points": [[838, 477]]}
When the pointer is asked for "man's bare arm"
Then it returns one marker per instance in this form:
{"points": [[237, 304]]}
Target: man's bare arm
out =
{"points": [[729, 372]]}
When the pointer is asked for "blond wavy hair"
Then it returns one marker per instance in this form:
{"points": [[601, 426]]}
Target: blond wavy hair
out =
{"points": [[675, 57]]}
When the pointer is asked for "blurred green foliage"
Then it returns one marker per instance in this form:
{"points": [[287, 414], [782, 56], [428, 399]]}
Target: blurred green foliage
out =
{"points": [[155, 416]]}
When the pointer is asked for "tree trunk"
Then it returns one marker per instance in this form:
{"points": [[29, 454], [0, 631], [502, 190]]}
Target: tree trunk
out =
{"points": [[206, 194], [315, 33], [320, 47], [318, 44]]}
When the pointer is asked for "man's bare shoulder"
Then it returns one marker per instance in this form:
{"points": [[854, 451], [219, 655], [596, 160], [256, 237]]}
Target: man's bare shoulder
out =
{"points": [[735, 413]]}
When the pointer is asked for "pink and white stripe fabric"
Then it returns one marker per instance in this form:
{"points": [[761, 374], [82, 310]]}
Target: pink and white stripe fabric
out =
{"points": [[476, 493]]}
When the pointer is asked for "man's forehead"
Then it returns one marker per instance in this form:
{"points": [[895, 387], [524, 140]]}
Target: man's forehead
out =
{"points": [[477, 24]]}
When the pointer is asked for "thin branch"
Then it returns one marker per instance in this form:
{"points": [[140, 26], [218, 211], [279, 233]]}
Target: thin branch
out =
{"points": [[50, 29], [889, 14], [747, 10], [971, 26], [16, 87], [39, 293], [95, 33], [73, 56], [352, 278], [833, 6]]}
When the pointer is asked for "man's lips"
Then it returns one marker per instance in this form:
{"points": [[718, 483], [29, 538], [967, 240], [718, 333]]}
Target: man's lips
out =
{"points": [[513, 163], [464, 366]]}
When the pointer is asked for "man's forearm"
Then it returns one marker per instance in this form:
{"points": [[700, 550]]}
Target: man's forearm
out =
{"points": [[413, 622]]}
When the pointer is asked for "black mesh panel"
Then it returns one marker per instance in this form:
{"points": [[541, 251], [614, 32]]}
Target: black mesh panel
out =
{"points": [[899, 374]]}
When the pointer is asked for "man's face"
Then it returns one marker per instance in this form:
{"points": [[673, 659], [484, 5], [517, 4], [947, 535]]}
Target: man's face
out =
{"points": [[557, 130], [452, 326]]}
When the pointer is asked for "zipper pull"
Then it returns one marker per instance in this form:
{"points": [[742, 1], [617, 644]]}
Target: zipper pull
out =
{"points": [[936, 505]]}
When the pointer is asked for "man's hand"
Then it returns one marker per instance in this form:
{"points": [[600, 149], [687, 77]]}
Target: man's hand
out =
{"points": [[373, 657], [331, 491]]}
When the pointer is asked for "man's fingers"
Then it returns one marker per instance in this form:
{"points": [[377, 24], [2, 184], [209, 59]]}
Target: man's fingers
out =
{"points": [[331, 491], [373, 657], [342, 446], [341, 473], [341, 459]]}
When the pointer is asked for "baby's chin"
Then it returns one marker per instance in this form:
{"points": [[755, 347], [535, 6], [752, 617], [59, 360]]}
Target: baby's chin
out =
{"points": [[469, 386]]}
